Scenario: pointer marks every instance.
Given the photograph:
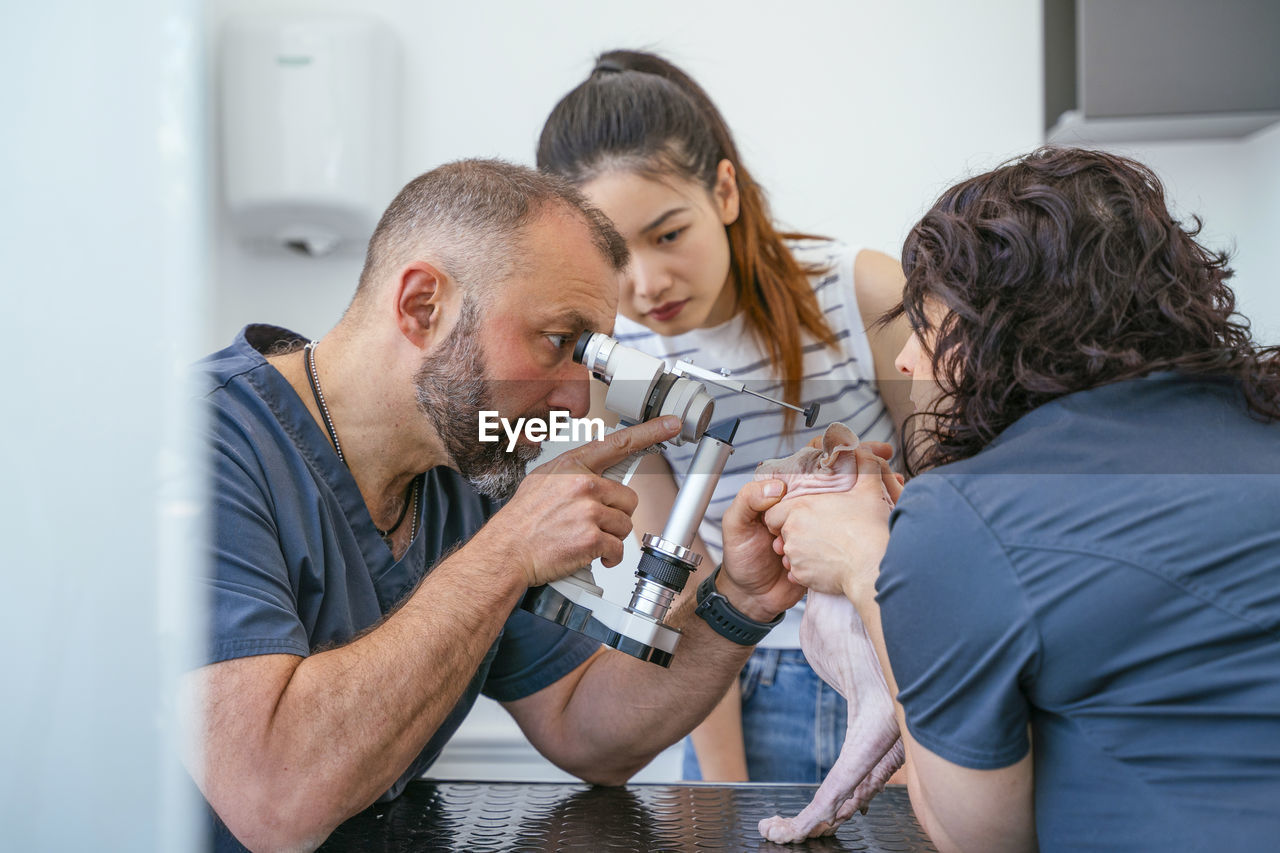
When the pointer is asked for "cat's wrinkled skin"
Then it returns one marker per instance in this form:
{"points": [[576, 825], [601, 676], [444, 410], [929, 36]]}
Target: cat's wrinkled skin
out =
{"points": [[837, 646]]}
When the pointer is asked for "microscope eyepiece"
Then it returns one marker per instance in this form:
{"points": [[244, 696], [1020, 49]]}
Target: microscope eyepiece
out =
{"points": [[580, 349]]}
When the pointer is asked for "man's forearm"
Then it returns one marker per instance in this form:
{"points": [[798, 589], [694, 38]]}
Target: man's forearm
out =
{"points": [[615, 713], [348, 721], [398, 683], [626, 711]]}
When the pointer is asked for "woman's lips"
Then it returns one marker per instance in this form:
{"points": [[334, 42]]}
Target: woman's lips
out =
{"points": [[668, 310]]}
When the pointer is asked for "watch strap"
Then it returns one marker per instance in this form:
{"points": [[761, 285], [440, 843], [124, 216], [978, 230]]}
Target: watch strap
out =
{"points": [[725, 619]]}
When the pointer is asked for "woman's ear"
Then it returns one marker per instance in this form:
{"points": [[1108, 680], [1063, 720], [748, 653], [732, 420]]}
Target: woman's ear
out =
{"points": [[726, 192]]}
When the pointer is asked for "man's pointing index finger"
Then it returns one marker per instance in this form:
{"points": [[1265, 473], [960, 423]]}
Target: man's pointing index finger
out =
{"points": [[613, 448]]}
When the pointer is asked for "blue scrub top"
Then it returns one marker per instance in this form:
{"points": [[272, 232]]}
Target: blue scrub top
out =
{"points": [[1107, 571], [297, 564]]}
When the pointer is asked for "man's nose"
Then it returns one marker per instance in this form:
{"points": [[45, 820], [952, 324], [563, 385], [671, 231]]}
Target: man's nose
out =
{"points": [[572, 392]]}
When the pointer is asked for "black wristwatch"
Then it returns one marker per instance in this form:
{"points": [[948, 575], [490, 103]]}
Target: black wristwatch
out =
{"points": [[725, 619]]}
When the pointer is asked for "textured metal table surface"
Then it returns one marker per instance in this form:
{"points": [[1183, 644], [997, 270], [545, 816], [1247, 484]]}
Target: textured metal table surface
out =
{"points": [[490, 816]]}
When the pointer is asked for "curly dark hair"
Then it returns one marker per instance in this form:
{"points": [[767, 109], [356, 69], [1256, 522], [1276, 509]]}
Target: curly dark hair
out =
{"points": [[1059, 271]]}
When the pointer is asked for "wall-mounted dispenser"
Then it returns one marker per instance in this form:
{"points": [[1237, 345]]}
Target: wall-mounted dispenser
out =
{"points": [[309, 114]]}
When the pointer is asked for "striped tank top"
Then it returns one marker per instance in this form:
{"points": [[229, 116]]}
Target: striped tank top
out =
{"points": [[842, 381]]}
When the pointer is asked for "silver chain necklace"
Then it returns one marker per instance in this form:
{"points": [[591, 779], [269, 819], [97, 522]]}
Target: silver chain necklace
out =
{"points": [[415, 487]]}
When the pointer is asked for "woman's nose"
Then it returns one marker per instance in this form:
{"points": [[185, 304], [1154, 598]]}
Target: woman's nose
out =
{"points": [[906, 360], [648, 281]]}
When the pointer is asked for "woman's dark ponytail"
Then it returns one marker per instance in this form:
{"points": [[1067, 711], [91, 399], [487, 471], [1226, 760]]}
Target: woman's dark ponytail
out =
{"points": [[640, 113]]}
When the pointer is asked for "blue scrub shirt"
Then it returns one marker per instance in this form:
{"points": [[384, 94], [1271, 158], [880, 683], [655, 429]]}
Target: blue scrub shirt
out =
{"points": [[1108, 572], [297, 564]]}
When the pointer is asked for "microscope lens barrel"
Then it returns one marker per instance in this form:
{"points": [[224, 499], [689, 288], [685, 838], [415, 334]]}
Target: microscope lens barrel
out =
{"points": [[695, 495], [652, 599]]}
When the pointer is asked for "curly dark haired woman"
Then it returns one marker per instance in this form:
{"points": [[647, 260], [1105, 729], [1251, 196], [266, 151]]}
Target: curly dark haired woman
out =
{"points": [[1079, 594], [1059, 273]]}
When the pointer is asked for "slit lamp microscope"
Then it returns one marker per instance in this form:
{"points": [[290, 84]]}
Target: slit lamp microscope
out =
{"points": [[642, 387]]}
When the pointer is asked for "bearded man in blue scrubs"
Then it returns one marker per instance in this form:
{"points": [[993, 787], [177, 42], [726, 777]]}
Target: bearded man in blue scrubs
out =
{"points": [[369, 552]]}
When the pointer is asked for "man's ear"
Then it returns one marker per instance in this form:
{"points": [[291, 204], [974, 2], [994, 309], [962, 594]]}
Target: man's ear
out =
{"points": [[422, 293], [726, 192]]}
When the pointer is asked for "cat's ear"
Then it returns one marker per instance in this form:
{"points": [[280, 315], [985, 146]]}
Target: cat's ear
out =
{"points": [[836, 440]]}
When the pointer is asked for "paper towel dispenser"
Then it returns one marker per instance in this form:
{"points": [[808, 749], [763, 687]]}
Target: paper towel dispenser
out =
{"points": [[309, 116]]}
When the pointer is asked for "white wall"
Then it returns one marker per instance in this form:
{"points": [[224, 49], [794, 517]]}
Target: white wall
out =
{"points": [[854, 115], [102, 233], [1234, 186]]}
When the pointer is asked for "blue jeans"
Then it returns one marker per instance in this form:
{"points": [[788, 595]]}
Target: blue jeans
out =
{"points": [[793, 722]]}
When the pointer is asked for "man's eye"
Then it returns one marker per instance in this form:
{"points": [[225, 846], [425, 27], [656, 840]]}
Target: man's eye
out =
{"points": [[558, 341]]}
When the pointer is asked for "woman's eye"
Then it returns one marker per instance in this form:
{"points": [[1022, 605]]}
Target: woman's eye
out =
{"points": [[670, 236]]}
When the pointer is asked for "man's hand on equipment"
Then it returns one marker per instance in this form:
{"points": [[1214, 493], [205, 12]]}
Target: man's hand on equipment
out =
{"points": [[753, 577], [566, 514]]}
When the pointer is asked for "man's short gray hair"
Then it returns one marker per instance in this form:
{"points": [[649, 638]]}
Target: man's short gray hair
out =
{"points": [[470, 215]]}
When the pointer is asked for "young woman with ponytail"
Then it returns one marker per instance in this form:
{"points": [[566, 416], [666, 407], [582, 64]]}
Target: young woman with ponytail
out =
{"points": [[713, 281]]}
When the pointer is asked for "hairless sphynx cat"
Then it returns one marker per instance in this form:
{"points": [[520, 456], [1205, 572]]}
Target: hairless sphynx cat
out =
{"points": [[837, 646]]}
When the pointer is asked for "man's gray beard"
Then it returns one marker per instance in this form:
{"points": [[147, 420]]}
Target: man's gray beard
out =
{"points": [[452, 391]]}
